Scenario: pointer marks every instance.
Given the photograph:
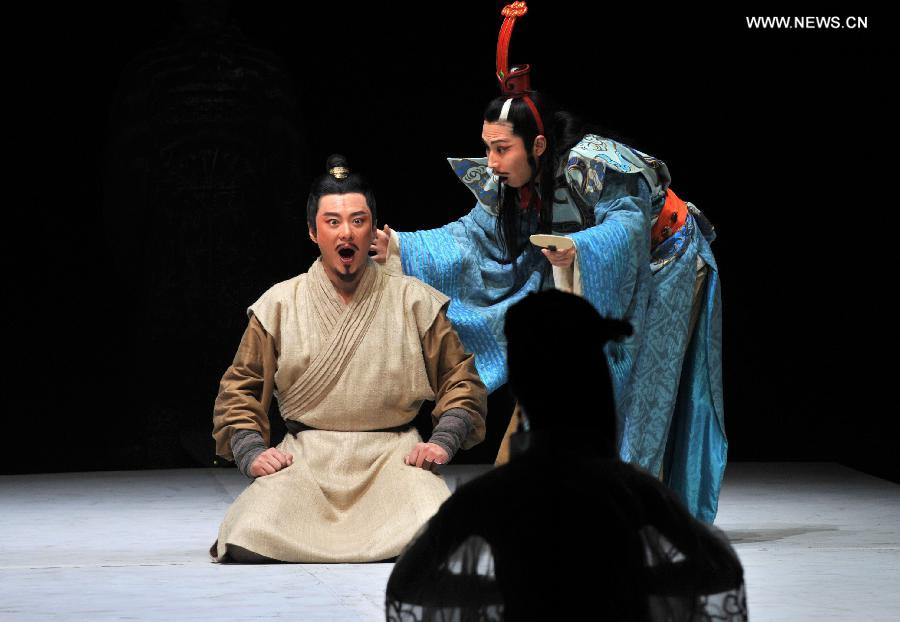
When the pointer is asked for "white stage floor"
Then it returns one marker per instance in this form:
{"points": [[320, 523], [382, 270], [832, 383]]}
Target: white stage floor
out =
{"points": [[818, 542]]}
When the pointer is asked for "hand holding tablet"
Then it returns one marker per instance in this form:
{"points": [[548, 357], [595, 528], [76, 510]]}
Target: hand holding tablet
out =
{"points": [[552, 242]]}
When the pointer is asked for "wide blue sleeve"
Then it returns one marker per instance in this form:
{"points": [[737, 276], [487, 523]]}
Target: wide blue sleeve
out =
{"points": [[463, 259], [613, 255], [614, 274]]}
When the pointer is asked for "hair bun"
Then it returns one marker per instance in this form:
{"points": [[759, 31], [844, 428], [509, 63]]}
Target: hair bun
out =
{"points": [[336, 165], [616, 330]]}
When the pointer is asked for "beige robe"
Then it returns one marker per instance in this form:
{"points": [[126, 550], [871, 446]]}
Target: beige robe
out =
{"points": [[343, 369]]}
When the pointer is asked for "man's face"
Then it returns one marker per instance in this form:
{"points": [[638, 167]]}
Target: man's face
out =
{"points": [[344, 231], [506, 154]]}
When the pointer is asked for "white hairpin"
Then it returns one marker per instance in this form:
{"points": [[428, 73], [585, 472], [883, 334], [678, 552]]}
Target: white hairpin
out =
{"points": [[504, 112]]}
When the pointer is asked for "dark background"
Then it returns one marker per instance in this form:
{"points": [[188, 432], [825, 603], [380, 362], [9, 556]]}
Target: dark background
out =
{"points": [[162, 154]]}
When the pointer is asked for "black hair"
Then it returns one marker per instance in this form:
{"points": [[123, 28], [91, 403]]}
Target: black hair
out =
{"points": [[563, 131], [330, 184], [538, 358]]}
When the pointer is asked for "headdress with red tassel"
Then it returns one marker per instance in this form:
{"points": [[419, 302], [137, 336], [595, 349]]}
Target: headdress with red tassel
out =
{"points": [[516, 83]]}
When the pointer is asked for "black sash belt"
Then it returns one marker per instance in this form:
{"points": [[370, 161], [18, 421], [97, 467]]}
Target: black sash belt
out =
{"points": [[295, 427]]}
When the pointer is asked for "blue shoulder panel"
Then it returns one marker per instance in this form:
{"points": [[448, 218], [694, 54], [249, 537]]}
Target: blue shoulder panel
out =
{"points": [[477, 177]]}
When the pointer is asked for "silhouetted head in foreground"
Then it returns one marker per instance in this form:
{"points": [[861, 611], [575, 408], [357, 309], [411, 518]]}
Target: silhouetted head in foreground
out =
{"points": [[557, 365], [566, 530]]}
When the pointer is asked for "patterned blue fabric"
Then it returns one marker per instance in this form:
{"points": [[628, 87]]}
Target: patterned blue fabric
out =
{"points": [[591, 157], [676, 418], [697, 447], [474, 173], [614, 258], [668, 389]]}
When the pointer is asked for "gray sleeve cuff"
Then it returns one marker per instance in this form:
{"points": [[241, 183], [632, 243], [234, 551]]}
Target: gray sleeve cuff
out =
{"points": [[246, 445], [451, 430]]}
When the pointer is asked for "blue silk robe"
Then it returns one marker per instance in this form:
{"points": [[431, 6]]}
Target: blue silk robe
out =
{"points": [[667, 383]]}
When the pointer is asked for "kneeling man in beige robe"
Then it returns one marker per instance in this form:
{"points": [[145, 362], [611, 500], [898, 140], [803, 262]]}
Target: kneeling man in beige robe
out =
{"points": [[350, 350]]}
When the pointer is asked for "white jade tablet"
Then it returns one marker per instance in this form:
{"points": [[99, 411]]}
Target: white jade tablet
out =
{"points": [[553, 242]]}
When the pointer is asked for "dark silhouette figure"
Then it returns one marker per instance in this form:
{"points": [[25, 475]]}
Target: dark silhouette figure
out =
{"points": [[565, 530]]}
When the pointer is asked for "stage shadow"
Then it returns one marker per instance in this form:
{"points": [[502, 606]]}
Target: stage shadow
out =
{"points": [[745, 536]]}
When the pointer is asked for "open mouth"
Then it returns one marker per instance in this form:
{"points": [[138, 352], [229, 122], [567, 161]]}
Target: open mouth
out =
{"points": [[346, 254]]}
